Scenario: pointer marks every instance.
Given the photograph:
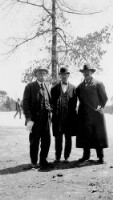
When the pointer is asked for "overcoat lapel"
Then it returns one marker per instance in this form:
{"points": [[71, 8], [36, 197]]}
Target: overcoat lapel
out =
{"points": [[36, 87]]}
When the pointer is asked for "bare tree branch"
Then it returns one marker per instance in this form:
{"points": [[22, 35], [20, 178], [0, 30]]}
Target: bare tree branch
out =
{"points": [[70, 10], [36, 5], [63, 38], [25, 40]]}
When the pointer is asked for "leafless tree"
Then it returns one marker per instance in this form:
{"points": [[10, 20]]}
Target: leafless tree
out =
{"points": [[51, 25]]}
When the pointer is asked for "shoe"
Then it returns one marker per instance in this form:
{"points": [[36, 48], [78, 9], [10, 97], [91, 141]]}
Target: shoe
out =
{"points": [[57, 161], [101, 161], [44, 163], [83, 159], [66, 160], [35, 166]]}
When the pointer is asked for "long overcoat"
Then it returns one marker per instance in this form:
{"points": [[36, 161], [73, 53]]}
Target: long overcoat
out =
{"points": [[92, 126], [32, 104], [71, 121]]}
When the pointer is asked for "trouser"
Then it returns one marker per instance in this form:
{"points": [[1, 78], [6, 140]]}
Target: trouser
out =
{"points": [[59, 144], [99, 152], [39, 138], [18, 112]]}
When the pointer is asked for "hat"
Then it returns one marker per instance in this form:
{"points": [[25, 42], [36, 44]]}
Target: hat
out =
{"points": [[87, 67], [64, 70], [36, 70]]}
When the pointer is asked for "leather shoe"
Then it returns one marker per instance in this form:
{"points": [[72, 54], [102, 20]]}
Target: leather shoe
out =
{"points": [[66, 160], [101, 161], [44, 163], [57, 161], [83, 159], [35, 166]]}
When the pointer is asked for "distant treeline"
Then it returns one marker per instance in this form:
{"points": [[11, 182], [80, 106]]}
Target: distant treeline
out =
{"points": [[108, 109], [9, 105], [6, 103]]}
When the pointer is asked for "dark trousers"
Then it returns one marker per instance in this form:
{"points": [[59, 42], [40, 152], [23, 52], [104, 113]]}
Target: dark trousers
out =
{"points": [[99, 152], [59, 145], [18, 112], [37, 139]]}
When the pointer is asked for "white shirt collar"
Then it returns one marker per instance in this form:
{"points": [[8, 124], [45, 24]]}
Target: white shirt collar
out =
{"points": [[40, 82], [64, 83]]}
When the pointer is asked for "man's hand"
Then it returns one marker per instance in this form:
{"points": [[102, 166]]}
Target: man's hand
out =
{"points": [[99, 107], [29, 126]]}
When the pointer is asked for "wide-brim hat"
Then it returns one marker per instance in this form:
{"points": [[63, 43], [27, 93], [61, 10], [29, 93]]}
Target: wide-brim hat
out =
{"points": [[87, 67], [64, 70], [36, 70]]}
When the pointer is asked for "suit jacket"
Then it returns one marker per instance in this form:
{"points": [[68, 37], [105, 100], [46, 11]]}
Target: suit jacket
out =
{"points": [[31, 101], [72, 115]]}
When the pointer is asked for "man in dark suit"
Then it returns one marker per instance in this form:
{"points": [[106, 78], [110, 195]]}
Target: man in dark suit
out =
{"points": [[92, 128], [64, 101], [36, 107]]}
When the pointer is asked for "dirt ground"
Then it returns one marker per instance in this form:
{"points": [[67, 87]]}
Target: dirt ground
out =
{"points": [[64, 181]]}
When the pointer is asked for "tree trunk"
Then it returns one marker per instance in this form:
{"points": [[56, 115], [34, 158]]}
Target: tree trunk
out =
{"points": [[54, 42]]}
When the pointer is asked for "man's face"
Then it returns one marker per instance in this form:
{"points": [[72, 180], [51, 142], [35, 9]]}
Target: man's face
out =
{"points": [[41, 76], [64, 77], [87, 74]]}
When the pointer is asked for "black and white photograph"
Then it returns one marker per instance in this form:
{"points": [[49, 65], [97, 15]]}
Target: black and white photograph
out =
{"points": [[56, 99]]}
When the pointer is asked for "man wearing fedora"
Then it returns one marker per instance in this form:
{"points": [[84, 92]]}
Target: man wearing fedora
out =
{"points": [[64, 100], [36, 107], [92, 128]]}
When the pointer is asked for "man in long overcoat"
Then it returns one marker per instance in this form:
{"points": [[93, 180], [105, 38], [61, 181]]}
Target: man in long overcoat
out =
{"points": [[36, 107], [92, 128], [64, 100]]}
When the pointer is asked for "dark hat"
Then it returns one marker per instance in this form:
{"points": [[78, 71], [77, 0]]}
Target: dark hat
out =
{"points": [[64, 70], [36, 70], [87, 67]]}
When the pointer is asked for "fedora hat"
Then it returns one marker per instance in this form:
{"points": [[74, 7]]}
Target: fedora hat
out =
{"points": [[36, 70], [64, 70], [87, 67]]}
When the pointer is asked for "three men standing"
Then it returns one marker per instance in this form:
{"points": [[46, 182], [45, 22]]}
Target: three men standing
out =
{"points": [[64, 100], [36, 107], [88, 124]]}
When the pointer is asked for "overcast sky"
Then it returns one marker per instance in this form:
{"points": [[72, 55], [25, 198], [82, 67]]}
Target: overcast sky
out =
{"points": [[15, 22]]}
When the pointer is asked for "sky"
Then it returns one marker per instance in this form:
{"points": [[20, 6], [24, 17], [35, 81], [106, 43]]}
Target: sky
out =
{"points": [[16, 22]]}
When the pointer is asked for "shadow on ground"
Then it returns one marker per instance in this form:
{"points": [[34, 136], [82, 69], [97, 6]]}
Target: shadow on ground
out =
{"points": [[51, 167], [68, 165], [16, 169]]}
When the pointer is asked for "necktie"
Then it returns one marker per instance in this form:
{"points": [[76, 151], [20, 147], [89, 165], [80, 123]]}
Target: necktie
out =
{"points": [[42, 86], [87, 82]]}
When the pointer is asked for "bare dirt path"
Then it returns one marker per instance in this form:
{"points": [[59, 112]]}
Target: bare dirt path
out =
{"points": [[65, 181]]}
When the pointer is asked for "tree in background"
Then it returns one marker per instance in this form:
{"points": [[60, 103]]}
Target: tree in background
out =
{"points": [[50, 25], [3, 96], [80, 50], [6, 103], [88, 49]]}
